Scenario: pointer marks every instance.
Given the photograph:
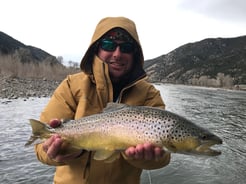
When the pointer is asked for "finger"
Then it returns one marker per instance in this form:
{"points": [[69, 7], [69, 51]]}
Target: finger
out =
{"points": [[159, 152], [54, 148], [149, 151], [130, 152], [139, 151], [48, 142], [55, 123]]}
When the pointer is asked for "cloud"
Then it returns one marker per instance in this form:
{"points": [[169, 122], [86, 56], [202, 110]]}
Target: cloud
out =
{"points": [[226, 10]]}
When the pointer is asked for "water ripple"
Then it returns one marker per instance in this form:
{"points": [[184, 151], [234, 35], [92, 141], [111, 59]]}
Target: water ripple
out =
{"points": [[221, 111]]}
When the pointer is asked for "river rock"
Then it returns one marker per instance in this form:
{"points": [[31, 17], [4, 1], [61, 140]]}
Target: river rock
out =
{"points": [[13, 88]]}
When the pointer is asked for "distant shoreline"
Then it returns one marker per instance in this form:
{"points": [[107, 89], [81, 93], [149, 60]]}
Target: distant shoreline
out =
{"points": [[14, 87], [240, 87]]}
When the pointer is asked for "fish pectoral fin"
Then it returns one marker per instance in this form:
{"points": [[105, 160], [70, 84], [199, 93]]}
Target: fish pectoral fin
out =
{"points": [[103, 154], [113, 157]]}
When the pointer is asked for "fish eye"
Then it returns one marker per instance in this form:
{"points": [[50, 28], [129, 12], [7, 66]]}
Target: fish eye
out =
{"points": [[204, 137]]}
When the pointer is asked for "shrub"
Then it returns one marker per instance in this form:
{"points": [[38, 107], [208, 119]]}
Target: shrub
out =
{"points": [[11, 65]]}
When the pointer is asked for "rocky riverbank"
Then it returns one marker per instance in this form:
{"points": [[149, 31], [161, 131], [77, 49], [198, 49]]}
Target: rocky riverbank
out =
{"points": [[13, 88]]}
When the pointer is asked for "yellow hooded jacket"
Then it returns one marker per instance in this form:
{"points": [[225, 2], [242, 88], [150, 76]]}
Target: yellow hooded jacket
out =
{"points": [[87, 93]]}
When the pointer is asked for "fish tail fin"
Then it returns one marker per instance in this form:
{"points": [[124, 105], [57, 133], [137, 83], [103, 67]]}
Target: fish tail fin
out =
{"points": [[39, 130]]}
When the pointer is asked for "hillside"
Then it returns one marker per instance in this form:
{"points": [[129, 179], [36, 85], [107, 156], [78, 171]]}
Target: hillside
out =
{"points": [[11, 46], [27, 71], [218, 62], [23, 61]]}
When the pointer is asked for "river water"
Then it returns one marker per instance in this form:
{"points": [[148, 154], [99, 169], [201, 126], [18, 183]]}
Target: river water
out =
{"points": [[221, 111]]}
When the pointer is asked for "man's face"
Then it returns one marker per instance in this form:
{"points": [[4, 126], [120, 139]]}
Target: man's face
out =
{"points": [[119, 57]]}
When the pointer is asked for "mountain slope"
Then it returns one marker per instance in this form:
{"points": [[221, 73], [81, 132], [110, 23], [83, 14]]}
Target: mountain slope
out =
{"points": [[211, 62], [11, 46]]}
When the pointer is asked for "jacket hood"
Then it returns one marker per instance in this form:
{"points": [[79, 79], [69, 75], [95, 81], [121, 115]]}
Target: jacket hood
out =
{"points": [[102, 28]]}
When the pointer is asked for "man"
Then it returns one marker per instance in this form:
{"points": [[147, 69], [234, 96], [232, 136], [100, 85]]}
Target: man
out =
{"points": [[112, 70]]}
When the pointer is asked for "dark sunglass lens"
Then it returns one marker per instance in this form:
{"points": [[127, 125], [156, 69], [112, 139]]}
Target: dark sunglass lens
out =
{"points": [[108, 45], [126, 47]]}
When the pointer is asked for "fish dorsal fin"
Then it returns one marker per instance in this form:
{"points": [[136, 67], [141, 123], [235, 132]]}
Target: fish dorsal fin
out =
{"points": [[111, 106], [65, 122]]}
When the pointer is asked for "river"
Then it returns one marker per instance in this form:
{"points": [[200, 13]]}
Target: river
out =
{"points": [[221, 111]]}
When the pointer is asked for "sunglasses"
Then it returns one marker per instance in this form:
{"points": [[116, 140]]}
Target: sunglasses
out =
{"points": [[110, 46]]}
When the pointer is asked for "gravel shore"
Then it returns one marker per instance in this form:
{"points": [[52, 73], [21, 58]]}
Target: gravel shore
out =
{"points": [[13, 88]]}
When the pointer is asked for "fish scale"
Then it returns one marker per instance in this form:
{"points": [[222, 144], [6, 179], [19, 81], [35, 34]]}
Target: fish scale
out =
{"points": [[120, 126]]}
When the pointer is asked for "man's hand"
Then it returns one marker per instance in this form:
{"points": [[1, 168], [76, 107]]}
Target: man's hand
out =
{"points": [[53, 145], [146, 151]]}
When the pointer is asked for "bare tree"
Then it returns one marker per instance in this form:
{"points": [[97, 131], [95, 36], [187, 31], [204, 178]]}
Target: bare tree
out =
{"points": [[60, 59]]}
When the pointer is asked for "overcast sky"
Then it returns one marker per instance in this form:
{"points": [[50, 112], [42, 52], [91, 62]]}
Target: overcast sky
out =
{"points": [[65, 27]]}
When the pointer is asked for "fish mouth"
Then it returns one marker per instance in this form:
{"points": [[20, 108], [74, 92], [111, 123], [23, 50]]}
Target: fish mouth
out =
{"points": [[205, 148]]}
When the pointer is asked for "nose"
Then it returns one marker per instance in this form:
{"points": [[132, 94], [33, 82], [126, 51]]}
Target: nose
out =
{"points": [[117, 52]]}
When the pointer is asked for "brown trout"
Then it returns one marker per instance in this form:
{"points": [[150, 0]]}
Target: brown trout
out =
{"points": [[120, 126]]}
